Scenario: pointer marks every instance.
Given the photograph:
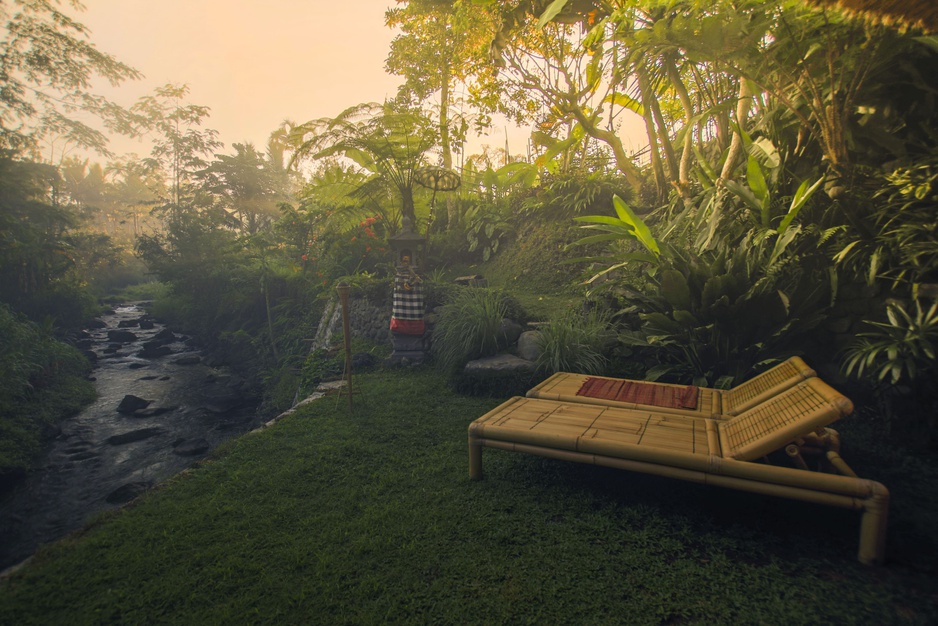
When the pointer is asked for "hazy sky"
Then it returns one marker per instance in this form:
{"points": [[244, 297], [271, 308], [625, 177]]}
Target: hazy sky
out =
{"points": [[256, 63], [253, 62]]}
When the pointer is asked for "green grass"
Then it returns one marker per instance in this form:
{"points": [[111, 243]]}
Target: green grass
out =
{"points": [[531, 268], [152, 290], [369, 517]]}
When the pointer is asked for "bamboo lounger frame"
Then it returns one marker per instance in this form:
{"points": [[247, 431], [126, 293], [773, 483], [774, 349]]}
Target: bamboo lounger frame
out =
{"points": [[708, 451], [712, 403]]}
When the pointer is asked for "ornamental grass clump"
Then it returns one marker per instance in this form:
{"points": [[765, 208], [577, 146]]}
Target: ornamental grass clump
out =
{"points": [[574, 343], [469, 327]]}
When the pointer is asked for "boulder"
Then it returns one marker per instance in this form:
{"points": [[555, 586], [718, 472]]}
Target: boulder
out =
{"points": [[84, 344], [96, 323], [528, 348], [165, 335], [121, 336], [188, 360], [191, 447], [128, 323], [500, 364], [223, 404], [509, 331], [154, 351], [132, 403]]}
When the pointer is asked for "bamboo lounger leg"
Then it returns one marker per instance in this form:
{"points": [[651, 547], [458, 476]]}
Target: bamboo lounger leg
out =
{"points": [[475, 459], [873, 526], [874, 508]]}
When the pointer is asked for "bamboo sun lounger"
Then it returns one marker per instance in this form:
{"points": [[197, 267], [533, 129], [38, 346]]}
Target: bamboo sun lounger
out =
{"points": [[712, 403], [703, 450]]}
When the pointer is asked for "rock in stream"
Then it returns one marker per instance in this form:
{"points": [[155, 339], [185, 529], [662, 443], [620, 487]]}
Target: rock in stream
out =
{"points": [[140, 431]]}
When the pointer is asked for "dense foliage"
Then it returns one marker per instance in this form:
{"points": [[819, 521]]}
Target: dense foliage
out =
{"points": [[790, 162], [40, 379], [784, 202]]}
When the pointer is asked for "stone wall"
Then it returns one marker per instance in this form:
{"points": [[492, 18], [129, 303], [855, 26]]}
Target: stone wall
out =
{"points": [[369, 320]]}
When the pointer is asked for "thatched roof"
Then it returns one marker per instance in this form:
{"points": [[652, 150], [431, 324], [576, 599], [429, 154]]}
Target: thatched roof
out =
{"points": [[921, 14]]}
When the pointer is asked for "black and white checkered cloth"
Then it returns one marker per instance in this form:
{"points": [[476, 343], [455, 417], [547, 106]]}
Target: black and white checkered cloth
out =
{"points": [[408, 304]]}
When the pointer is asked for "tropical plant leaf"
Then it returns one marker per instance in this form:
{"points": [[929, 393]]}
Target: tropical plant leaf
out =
{"points": [[802, 195], [642, 232], [759, 189], [675, 290], [552, 11], [625, 101], [744, 194], [763, 150]]}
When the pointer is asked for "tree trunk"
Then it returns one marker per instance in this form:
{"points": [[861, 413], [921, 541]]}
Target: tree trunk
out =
{"points": [[452, 208], [683, 182], [661, 187], [623, 163], [736, 145], [407, 207], [665, 137]]}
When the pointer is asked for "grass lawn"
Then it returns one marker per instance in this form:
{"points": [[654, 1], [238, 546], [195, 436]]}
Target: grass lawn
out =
{"points": [[369, 517]]}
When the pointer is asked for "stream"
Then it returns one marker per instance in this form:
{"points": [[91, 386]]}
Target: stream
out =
{"points": [[112, 451]]}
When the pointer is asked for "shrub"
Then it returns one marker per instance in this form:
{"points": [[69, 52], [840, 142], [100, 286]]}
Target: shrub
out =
{"points": [[41, 380], [574, 343], [469, 326], [898, 358]]}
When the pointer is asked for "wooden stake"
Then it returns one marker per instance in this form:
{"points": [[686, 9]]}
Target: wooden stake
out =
{"points": [[343, 289]]}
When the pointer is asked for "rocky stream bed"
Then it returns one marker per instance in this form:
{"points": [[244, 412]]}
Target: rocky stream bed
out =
{"points": [[160, 408]]}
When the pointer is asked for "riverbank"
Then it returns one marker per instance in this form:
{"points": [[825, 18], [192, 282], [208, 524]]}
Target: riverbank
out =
{"points": [[159, 408], [368, 516], [42, 380]]}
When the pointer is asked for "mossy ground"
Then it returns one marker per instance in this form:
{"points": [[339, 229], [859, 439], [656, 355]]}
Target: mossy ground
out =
{"points": [[368, 516]]}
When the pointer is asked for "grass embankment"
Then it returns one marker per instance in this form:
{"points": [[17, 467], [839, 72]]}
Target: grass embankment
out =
{"points": [[369, 517]]}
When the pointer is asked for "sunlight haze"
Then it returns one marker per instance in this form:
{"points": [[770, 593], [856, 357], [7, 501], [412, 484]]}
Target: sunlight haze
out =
{"points": [[256, 64], [253, 63]]}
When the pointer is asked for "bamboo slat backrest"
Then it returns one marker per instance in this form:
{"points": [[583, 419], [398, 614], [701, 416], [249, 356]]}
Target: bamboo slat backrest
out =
{"points": [[781, 419], [765, 385]]}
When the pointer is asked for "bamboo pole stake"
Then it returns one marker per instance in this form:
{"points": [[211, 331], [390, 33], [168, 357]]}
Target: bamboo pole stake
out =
{"points": [[343, 289]]}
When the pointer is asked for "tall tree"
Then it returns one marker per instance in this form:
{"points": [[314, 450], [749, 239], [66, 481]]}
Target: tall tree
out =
{"points": [[387, 141], [180, 144], [552, 74], [133, 192], [441, 45], [47, 65], [247, 185], [33, 248]]}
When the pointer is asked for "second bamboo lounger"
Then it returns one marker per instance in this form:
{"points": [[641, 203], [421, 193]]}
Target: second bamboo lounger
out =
{"points": [[708, 402], [715, 452]]}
